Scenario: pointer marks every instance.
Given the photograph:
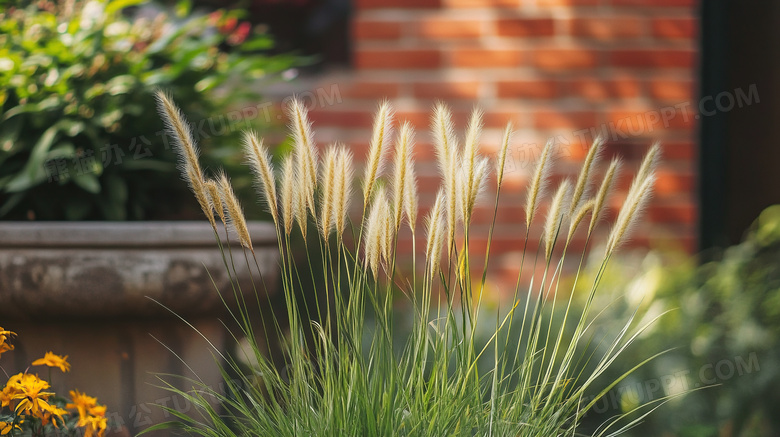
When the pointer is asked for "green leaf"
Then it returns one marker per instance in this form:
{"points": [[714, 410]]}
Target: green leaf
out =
{"points": [[118, 5], [88, 181]]}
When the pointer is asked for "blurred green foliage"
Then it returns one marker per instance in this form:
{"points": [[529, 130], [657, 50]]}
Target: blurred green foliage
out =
{"points": [[723, 373], [78, 137]]}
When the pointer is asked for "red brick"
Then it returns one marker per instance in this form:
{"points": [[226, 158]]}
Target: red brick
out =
{"points": [[472, 4], [671, 90], [677, 213], [567, 2], [447, 90], [499, 119], [386, 30], [397, 4], [370, 90], [657, 3], [550, 119], [486, 58], [397, 59], [653, 58], [565, 59], [682, 150], [533, 89], [606, 29], [674, 28], [445, 28], [595, 90], [669, 182], [352, 118], [646, 123], [525, 27]]}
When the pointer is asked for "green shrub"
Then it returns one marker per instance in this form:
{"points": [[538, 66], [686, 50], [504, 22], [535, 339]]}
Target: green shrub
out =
{"points": [[77, 137], [724, 328]]}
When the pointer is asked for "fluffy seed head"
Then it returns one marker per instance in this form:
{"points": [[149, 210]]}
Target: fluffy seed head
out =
{"points": [[288, 197], [201, 195], [447, 154], [434, 224], [582, 186], [601, 197], [629, 213], [376, 231], [579, 216], [538, 184], [327, 191], [383, 131], [235, 214], [259, 161], [304, 149], [649, 164], [411, 201], [185, 147], [342, 188], [403, 156], [501, 161], [216, 201], [555, 216]]}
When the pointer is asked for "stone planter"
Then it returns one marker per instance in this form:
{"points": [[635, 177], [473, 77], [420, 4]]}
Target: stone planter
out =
{"points": [[83, 289]]}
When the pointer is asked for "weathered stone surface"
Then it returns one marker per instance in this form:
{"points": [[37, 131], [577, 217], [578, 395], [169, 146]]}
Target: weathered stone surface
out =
{"points": [[115, 269]]}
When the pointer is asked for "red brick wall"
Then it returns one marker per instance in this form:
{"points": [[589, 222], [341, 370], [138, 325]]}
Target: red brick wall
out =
{"points": [[558, 69]]}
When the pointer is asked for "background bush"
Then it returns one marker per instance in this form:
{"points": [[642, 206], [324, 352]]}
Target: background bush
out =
{"points": [[724, 326], [77, 137]]}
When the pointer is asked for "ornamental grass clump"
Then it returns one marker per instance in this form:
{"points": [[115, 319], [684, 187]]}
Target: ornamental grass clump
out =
{"points": [[342, 371]]}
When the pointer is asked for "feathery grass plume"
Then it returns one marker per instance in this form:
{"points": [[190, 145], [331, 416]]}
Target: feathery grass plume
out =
{"points": [[235, 214], [538, 184], [629, 212], [342, 188], [583, 210], [403, 156], [447, 155], [216, 201], [300, 207], [434, 225], [304, 149], [259, 160], [472, 191], [186, 149], [288, 197], [201, 195], [376, 231], [582, 186], [648, 166], [411, 201], [471, 145], [383, 130], [601, 197], [327, 190], [501, 161], [555, 216]]}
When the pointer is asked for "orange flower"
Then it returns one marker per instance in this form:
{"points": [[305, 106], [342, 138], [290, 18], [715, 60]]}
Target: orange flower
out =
{"points": [[82, 403], [91, 415], [4, 337], [28, 390], [7, 427], [53, 360]]}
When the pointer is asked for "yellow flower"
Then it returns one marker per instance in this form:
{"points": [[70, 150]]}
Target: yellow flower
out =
{"points": [[28, 390], [7, 427], [4, 337], [91, 415], [52, 360], [82, 403], [55, 411]]}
